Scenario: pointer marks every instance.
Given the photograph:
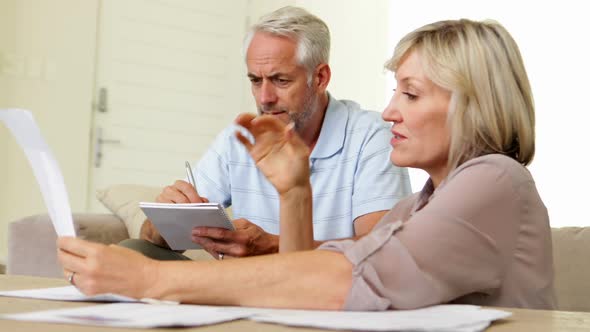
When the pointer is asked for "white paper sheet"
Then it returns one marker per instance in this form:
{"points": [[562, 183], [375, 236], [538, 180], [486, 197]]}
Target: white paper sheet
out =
{"points": [[67, 293], [442, 318], [460, 318], [134, 315], [22, 125]]}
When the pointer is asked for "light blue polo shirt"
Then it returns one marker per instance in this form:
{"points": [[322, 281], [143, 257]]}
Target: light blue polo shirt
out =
{"points": [[351, 174]]}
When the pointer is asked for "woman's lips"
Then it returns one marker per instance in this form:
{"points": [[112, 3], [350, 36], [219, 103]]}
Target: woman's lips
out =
{"points": [[397, 138], [397, 135]]}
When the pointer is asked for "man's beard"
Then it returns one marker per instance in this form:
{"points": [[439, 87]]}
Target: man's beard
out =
{"points": [[300, 119]]}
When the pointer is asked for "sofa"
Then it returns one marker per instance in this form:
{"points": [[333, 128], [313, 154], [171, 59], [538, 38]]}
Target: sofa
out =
{"points": [[32, 251], [31, 240]]}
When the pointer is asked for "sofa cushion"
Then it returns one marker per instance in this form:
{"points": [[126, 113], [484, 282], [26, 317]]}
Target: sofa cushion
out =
{"points": [[123, 201], [31, 241], [571, 250]]}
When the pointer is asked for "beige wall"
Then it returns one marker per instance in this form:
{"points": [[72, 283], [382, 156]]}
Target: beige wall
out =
{"points": [[6, 37], [47, 50], [359, 48], [47, 54]]}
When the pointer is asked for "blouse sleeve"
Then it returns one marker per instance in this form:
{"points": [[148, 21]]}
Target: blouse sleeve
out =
{"points": [[459, 243]]}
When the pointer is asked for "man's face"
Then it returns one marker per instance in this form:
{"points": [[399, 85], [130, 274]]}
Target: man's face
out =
{"points": [[279, 83]]}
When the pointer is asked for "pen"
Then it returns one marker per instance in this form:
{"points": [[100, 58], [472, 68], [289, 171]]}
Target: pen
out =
{"points": [[189, 174]]}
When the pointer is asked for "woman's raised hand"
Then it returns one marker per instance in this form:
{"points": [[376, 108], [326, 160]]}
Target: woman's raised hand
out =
{"points": [[278, 151]]}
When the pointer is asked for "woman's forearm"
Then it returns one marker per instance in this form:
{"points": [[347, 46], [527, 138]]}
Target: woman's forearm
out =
{"points": [[296, 225], [307, 280]]}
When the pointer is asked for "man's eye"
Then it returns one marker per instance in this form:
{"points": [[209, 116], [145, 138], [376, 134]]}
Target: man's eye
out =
{"points": [[282, 81], [255, 80]]}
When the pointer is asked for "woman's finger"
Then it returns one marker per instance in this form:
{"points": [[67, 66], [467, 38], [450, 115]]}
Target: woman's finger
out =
{"points": [[244, 119], [76, 246], [268, 122], [70, 262], [244, 140]]}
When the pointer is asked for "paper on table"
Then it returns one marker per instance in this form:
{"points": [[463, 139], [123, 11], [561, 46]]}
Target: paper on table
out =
{"points": [[134, 315], [461, 318], [22, 125], [456, 318], [67, 293]]}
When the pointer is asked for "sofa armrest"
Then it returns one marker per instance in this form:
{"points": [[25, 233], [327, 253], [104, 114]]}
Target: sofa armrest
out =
{"points": [[31, 241]]}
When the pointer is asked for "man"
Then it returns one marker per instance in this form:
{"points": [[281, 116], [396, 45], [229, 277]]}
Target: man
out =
{"points": [[353, 182]]}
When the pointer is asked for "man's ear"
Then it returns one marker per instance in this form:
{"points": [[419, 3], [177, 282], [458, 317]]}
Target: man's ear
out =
{"points": [[322, 76]]}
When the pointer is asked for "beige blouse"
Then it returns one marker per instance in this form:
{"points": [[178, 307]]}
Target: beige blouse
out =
{"points": [[482, 237]]}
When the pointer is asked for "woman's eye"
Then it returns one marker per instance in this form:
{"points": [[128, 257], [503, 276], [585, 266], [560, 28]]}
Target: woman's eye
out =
{"points": [[410, 96]]}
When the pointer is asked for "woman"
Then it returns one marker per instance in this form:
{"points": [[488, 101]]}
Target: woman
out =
{"points": [[477, 232]]}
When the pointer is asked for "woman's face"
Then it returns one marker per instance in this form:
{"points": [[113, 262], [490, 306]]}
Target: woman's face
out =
{"points": [[419, 110]]}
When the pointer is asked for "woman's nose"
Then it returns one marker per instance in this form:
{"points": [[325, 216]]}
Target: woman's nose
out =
{"points": [[391, 112]]}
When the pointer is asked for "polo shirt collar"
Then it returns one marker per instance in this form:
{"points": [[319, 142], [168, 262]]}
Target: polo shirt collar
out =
{"points": [[333, 130]]}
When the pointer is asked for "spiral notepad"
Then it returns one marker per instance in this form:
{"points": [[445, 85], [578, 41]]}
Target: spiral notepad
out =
{"points": [[176, 221]]}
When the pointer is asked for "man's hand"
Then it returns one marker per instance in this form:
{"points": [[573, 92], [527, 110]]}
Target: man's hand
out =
{"points": [[149, 232], [179, 192], [246, 240]]}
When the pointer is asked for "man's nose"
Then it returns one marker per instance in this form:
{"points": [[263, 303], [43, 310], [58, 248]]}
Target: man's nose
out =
{"points": [[268, 95]]}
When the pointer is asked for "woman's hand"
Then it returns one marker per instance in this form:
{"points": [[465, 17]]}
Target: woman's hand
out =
{"points": [[278, 151], [106, 269]]}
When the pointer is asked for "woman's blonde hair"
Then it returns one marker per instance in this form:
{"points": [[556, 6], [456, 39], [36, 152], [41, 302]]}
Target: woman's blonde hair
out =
{"points": [[492, 108]]}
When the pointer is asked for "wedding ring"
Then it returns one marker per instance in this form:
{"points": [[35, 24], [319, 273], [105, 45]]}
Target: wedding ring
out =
{"points": [[220, 256], [71, 278]]}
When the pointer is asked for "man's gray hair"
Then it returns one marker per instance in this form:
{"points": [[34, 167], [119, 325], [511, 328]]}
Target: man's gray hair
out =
{"points": [[310, 32]]}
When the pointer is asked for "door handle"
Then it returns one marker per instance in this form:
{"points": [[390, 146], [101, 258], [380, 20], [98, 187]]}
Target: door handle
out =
{"points": [[98, 143], [102, 105]]}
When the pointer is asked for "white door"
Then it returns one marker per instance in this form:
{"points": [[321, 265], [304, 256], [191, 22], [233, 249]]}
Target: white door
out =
{"points": [[170, 76]]}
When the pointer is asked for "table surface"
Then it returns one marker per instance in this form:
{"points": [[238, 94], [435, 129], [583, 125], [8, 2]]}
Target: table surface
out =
{"points": [[521, 320]]}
